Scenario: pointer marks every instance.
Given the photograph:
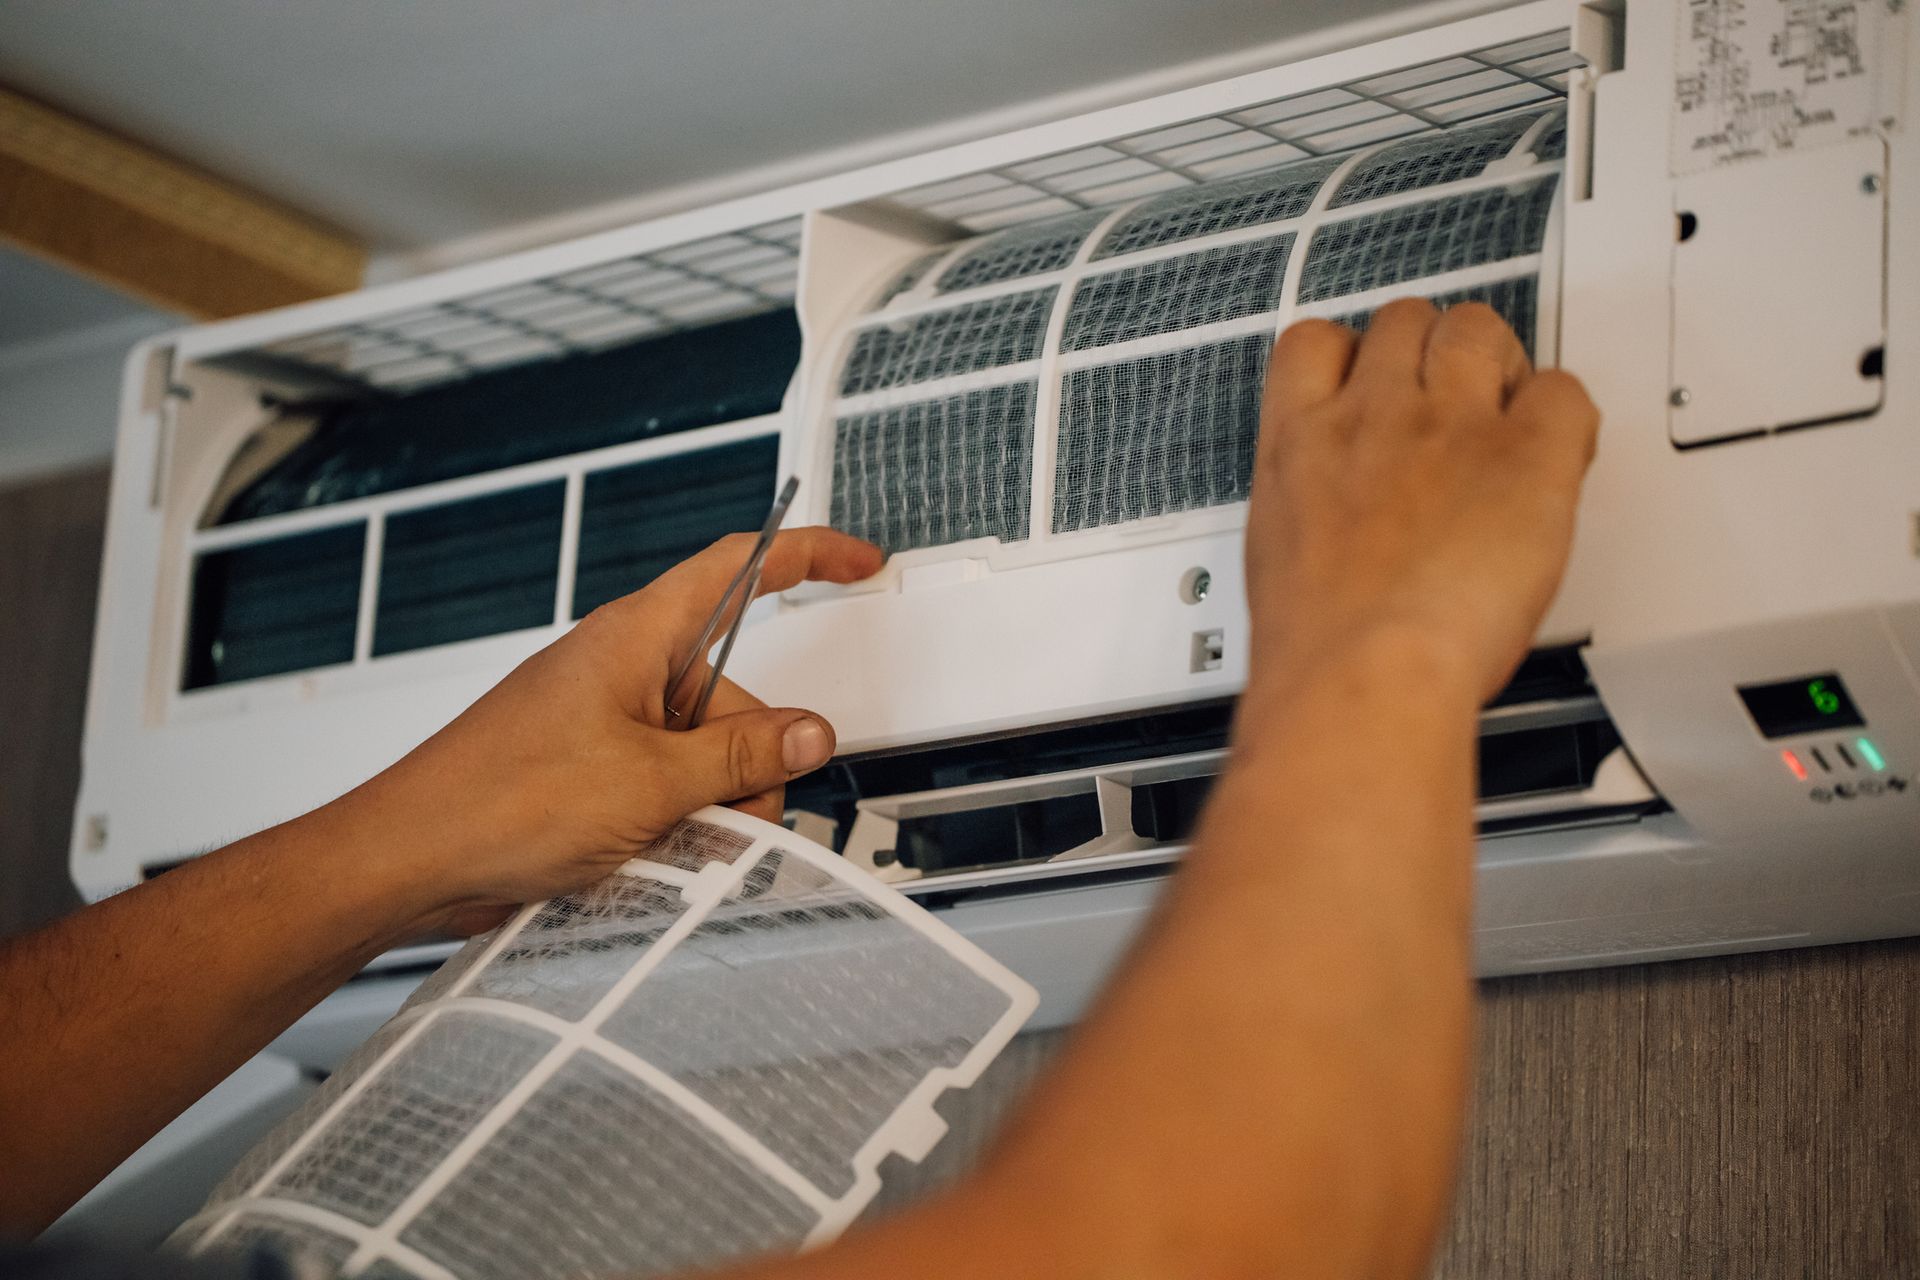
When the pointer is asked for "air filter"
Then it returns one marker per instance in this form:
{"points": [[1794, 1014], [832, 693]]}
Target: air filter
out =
{"points": [[1034, 386], [703, 1057]]}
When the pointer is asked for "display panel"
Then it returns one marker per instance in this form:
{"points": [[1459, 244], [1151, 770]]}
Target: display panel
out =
{"points": [[1807, 704]]}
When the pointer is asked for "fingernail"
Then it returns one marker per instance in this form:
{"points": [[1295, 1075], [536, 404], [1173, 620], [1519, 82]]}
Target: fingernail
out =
{"points": [[805, 746]]}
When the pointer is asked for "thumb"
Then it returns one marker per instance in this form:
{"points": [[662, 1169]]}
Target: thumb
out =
{"points": [[743, 754]]}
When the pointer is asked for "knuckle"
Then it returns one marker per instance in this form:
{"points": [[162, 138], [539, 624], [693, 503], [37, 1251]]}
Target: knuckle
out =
{"points": [[743, 760]]}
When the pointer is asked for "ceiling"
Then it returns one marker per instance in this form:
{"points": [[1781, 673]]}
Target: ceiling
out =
{"points": [[412, 124]]}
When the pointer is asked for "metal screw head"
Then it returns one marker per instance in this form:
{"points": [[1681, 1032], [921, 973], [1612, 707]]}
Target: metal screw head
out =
{"points": [[1202, 583], [1680, 397], [1871, 184]]}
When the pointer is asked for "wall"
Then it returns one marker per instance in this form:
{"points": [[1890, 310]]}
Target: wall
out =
{"points": [[50, 538], [1753, 1116]]}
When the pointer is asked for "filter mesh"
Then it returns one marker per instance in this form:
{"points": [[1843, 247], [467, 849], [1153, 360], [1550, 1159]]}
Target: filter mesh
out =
{"points": [[1411, 241], [964, 339], [937, 471], [567, 1156], [432, 1092], [791, 1057], [1177, 293], [1217, 206], [569, 955], [1166, 433], [1023, 251], [776, 1024], [1432, 159], [1169, 427]]}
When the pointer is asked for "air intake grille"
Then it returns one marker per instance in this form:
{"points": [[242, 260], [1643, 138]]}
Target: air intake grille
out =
{"points": [[982, 335], [1165, 433], [1147, 401], [1415, 241], [937, 471], [1177, 293]]}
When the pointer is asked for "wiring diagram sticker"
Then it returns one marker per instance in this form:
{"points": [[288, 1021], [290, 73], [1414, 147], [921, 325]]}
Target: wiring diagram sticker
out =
{"points": [[1756, 77]]}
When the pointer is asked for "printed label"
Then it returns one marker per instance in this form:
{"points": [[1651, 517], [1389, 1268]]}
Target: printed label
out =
{"points": [[1755, 77]]}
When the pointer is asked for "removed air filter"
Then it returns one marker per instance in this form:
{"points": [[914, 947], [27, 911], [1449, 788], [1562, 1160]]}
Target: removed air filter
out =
{"points": [[703, 1057]]}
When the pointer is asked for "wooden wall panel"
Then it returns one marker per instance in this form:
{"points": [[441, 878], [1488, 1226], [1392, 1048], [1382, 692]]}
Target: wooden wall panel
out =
{"points": [[50, 538]]}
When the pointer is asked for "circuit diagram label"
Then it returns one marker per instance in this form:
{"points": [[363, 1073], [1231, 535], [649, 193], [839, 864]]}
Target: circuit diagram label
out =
{"points": [[1756, 77]]}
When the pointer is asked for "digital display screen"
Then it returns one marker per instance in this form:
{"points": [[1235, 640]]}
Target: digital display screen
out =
{"points": [[1808, 704]]}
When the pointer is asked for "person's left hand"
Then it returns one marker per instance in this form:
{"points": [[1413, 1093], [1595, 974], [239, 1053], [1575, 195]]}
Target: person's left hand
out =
{"points": [[567, 767]]}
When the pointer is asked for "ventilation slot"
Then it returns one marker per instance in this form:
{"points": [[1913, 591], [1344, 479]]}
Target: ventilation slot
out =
{"points": [[698, 378], [1128, 791], [288, 604], [469, 569], [638, 521]]}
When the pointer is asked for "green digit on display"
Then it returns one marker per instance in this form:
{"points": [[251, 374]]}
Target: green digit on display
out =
{"points": [[1825, 700]]}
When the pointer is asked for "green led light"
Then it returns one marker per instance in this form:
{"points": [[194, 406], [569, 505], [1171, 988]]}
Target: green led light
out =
{"points": [[1871, 753], [1825, 700]]}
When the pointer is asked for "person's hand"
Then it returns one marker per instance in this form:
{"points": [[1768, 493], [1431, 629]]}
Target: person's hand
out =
{"points": [[566, 768], [1417, 484]]}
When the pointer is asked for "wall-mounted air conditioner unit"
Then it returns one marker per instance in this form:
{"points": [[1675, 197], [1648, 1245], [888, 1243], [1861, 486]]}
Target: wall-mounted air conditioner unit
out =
{"points": [[1029, 365]]}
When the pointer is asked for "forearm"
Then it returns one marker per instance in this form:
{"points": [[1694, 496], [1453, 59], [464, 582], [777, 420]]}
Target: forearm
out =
{"points": [[118, 1017], [1274, 1083]]}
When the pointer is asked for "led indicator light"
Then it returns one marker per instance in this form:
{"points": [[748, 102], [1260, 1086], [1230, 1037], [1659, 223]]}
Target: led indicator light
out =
{"points": [[1871, 754], [1793, 764]]}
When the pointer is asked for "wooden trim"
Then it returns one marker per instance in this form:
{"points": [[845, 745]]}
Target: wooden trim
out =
{"points": [[147, 225]]}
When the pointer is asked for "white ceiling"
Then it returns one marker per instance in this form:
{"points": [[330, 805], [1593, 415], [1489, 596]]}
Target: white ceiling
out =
{"points": [[411, 124]]}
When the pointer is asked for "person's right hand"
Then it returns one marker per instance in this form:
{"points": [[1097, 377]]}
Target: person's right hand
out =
{"points": [[1417, 483]]}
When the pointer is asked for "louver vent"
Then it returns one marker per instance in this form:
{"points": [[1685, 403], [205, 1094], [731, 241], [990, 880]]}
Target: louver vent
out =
{"points": [[1147, 328], [469, 486]]}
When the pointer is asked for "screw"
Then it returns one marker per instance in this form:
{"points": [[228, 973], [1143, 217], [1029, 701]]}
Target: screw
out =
{"points": [[96, 832], [1871, 184], [1680, 397], [1202, 583]]}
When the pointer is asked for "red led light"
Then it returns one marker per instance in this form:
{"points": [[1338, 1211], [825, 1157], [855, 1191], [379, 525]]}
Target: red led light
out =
{"points": [[1793, 764]]}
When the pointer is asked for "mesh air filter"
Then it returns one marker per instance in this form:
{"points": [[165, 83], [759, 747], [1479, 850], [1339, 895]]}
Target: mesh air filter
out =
{"points": [[1171, 432], [965, 339], [1413, 241], [1431, 160], [1147, 402], [707, 1056], [1177, 293], [1023, 251], [1215, 207], [937, 471]]}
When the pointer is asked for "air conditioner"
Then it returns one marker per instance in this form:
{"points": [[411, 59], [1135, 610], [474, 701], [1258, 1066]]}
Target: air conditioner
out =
{"points": [[1028, 364]]}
